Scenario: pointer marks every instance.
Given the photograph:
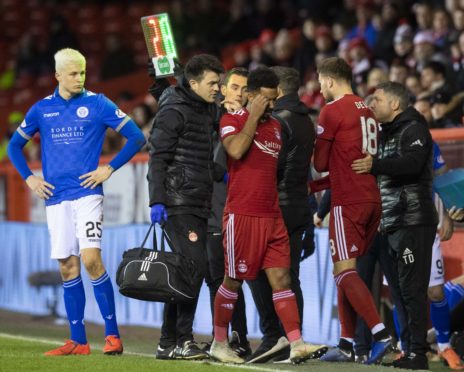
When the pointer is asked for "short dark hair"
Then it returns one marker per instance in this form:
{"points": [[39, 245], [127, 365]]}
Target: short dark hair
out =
{"points": [[397, 90], [262, 77], [335, 67], [289, 79], [240, 71], [197, 65], [436, 67]]}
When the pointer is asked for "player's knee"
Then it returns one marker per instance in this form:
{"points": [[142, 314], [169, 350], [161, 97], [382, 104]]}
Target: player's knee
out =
{"points": [[436, 293], [280, 279], [69, 268], [93, 264]]}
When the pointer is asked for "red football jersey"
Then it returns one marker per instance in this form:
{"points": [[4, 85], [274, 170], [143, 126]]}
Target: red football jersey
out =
{"points": [[351, 129], [252, 184]]}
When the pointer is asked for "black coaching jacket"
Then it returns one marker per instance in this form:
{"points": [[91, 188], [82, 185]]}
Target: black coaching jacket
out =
{"points": [[180, 173], [297, 148], [404, 172]]}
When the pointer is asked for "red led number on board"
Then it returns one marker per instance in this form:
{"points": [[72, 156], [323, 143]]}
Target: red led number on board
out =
{"points": [[157, 40]]}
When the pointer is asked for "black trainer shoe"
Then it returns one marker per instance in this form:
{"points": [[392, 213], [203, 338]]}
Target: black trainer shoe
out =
{"points": [[165, 353], [266, 352], [240, 347], [205, 346], [412, 361], [190, 351]]}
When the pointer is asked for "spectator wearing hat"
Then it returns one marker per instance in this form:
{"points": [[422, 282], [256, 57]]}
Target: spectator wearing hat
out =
{"points": [[441, 118], [361, 63], [402, 44], [425, 50], [325, 45]]}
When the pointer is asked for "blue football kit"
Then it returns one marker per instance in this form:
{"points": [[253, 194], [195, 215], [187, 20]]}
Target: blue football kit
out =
{"points": [[72, 134]]}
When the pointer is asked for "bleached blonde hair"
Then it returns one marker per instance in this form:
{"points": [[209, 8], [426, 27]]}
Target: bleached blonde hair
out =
{"points": [[67, 55]]}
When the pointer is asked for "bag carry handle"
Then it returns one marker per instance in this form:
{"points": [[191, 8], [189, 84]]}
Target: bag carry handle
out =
{"points": [[164, 237]]}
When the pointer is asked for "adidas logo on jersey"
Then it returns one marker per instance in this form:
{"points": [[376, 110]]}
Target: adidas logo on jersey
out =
{"points": [[109, 317], [407, 251], [74, 321], [417, 143], [143, 277], [228, 306], [354, 248]]}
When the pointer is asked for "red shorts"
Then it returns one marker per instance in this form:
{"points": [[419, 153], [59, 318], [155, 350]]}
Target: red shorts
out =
{"points": [[254, 243], [352, 229]]}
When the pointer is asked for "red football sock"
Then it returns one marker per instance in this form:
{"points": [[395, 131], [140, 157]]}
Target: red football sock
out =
{"points": [[287, 311], [224, 304], [359, 296], [346, 314]]}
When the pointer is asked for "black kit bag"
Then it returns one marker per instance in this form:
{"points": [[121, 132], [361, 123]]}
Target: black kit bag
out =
{"points": [[157, 275]]}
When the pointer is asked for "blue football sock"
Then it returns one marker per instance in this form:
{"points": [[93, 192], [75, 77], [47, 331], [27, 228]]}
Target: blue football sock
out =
{"points": [[74, 302], [396, 323], [440, 315], [454, 294], [104, 295]]}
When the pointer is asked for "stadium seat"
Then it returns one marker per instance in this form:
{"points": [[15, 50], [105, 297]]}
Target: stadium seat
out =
{"points": [[52, 279]]}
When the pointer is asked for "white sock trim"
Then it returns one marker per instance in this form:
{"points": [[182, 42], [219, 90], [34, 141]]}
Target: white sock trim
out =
{"points": [[377, 328]]}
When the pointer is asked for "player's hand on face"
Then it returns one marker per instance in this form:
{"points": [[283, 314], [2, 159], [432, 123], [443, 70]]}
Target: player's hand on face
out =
{"points": [[363, 165], [41, 188], [447, 228], [96, 177], [258, 106], [456, 214]]}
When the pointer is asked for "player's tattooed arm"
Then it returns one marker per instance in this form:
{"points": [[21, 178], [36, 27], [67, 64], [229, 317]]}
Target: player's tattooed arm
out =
{"points": [[96, 177]]}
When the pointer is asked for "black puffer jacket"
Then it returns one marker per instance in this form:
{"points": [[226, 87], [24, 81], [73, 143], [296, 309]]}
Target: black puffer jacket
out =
{"points": [[404, 172], [180, 174], [297, 148]]}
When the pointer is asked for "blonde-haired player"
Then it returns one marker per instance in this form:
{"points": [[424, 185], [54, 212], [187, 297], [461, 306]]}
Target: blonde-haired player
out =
{"points": [[72, 123]]}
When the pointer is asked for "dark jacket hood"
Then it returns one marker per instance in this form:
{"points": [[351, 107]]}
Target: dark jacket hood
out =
{"points": [[291, 102]]}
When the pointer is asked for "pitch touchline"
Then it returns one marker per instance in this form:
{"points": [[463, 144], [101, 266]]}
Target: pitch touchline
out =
{"points": [[52, 342]]}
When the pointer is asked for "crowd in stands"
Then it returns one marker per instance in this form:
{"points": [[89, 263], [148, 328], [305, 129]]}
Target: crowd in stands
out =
{"points": [[419, 44]]}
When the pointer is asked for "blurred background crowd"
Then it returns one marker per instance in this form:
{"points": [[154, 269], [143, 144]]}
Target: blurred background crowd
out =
{"points": [[417, 43]]}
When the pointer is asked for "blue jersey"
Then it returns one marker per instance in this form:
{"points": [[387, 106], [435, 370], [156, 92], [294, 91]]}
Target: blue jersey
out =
{"points": [[71, 134], [438, 161]]}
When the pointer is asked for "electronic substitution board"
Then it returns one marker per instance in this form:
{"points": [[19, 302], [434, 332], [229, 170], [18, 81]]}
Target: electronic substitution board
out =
{"points": [[160, 43]]}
